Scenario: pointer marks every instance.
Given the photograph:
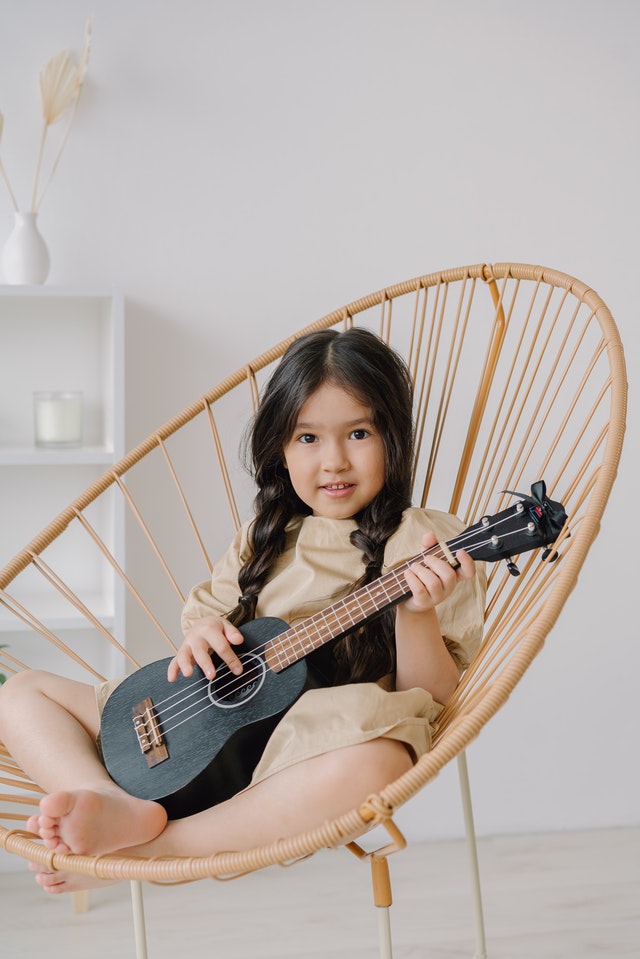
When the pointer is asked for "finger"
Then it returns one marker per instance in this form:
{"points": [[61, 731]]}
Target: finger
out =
{"points": [[434, 579], [229, 657], [436, 564], [419, 581], [173, 670], [436, 554], [232, 634], [467, 566], [183, 661], [418, 590], [202, 656], [429, 539], [209, 636]]}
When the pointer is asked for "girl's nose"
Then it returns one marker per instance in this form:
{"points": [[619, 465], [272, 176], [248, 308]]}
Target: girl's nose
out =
{"points": [[335, 457]]}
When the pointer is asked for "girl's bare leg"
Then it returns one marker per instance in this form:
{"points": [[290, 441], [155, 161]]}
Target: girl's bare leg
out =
{"points": [[294, 800], [49, 724], [289, 802]]}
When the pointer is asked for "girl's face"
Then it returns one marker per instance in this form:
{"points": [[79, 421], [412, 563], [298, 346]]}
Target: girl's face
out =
{"points": [[335, 456]]}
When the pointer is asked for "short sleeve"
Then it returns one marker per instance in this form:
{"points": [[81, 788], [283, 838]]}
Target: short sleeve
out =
{"points": [[461, 616], [220, 594]]}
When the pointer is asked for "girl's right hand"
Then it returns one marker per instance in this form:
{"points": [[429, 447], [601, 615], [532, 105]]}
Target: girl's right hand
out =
{"points": [[213, 634]]}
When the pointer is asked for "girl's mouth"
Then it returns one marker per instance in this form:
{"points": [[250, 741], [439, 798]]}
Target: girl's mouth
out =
{"points": [[338, 489]]}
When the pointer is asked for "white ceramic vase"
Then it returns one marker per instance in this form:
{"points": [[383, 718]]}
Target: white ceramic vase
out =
{"points": [[25, 257]]}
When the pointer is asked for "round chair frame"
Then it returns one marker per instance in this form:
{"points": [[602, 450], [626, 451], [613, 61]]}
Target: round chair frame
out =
{"points": [[519, 376]]}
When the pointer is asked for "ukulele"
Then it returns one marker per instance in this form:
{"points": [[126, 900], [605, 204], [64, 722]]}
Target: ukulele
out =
{"points": [[193, 743]]}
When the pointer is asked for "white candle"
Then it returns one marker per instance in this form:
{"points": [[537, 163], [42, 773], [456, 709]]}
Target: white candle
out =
{"points": [[58, 418]]}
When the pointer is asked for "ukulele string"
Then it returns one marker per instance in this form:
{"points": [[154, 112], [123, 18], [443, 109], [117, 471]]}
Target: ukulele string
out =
{"points": [[254, 672]]}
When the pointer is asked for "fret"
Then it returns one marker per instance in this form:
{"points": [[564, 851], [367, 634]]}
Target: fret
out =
{"points": [[349, 618], [288, 647], [357, 603], [396, 583], [308, 637], [278, 651], [273, 655], [329, 621]]}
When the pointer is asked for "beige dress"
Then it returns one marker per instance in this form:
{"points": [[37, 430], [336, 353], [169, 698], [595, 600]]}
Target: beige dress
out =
{"points": [[318, 567]]}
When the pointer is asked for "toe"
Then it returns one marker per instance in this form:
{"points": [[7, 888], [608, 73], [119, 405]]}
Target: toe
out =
{"points": [[33, 825]]}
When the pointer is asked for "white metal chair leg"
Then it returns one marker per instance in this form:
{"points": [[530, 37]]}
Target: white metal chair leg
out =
{"points": [[139, 927], [384, 932], [382, 901], [465, 795]]}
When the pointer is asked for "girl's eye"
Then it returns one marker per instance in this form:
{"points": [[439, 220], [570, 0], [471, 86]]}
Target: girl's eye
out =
{"points": [[360, 434], [307, 438]]}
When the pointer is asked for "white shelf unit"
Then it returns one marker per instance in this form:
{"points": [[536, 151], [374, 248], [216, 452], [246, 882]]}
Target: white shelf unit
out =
{"points": [[59, 338]]}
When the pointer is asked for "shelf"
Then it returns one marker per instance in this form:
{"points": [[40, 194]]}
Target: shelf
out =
{"points": [[46, 292], [56, 622], [61, 339], [34, 456]]}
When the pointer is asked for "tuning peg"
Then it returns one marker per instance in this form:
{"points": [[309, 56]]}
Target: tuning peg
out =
{"points": [[547, 554], [513, 569]]}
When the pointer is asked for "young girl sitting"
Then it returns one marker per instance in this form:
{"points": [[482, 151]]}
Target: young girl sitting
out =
{"points": [[331, 450]]}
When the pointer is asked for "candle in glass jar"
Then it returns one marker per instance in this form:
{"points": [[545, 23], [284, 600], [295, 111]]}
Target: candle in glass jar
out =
{"points": [[58, 418]]}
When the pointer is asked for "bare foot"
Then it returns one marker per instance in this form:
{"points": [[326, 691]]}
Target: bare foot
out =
{"points": [[55, 883], [90, 823]]}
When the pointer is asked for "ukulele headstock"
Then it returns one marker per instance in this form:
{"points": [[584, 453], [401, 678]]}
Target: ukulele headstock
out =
{"points": [[532, 522]]}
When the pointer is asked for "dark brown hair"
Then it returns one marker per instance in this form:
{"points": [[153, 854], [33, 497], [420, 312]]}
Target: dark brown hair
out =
{"points": [[363, 365]]}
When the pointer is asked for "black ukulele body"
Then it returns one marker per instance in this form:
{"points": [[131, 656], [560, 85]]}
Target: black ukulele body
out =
{"points": [[213, 732]]}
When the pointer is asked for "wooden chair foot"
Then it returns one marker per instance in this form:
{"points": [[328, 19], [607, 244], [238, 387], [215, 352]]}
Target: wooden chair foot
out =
{"points": [[80, 901]]}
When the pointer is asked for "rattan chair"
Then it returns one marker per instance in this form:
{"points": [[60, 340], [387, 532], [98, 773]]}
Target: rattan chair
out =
{"points": [[519, 376]]}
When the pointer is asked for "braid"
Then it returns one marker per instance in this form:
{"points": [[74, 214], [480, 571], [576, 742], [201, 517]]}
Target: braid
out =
{"points": [[267, 542], [368, 653]]}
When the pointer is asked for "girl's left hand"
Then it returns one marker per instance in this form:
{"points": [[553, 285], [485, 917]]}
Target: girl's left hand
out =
{"points": [[433, 579]]}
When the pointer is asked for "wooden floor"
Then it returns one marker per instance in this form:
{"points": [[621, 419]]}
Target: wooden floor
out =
{"points": [[567, 896]]}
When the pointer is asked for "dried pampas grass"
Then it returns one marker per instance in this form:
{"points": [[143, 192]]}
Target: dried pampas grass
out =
{"points": [[61, 81], [58, 87]]}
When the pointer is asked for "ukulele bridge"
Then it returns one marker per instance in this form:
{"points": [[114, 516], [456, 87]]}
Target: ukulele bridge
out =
{"points": [[147, 727]]}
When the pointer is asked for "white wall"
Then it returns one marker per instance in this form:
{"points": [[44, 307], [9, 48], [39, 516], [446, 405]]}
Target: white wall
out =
{"points": [[239, 168]]}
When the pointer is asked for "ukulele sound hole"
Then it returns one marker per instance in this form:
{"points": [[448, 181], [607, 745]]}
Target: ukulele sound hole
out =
{"points": [[228, 691]]}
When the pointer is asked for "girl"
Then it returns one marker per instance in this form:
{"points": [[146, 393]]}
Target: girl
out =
{"points": [[331, 452]]}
